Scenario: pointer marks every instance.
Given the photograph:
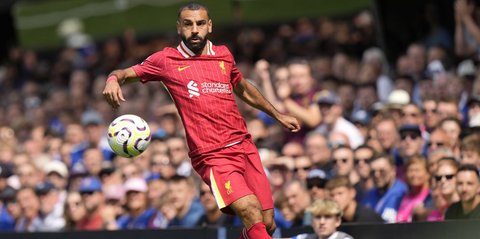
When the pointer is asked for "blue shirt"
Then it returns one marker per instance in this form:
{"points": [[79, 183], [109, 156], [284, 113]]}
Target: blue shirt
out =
{"points": [[386, 205], [6, 221], [140, 222], [192, 217]]}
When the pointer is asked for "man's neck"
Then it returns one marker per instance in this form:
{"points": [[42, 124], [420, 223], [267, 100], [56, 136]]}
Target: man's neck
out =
{"points": [[385, 189], [137, 212], [470, 205], [350, 211]]}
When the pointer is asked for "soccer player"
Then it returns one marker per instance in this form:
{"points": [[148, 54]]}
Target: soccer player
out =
{"points": [[202, 78]]}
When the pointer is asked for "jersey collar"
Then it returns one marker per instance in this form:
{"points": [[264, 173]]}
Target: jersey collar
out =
{"points": [[186, 52]]}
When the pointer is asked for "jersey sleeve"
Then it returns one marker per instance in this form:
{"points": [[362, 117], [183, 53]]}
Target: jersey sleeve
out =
{"points": [[152, 68], [235, 74]]}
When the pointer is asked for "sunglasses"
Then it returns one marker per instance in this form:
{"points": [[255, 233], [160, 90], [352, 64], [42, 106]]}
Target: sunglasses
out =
{"points": [[381, 172], [342, 160], [86, 193], [302, 168], [408, 114], [364, 160], [316, 183], [446, 176], [411, 136]]}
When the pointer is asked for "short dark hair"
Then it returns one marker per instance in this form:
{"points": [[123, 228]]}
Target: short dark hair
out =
{"points": [[467, 168], [192, 6], [388, 157]]}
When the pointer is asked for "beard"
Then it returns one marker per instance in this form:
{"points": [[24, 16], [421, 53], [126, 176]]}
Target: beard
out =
{"points": [[196, 47]]}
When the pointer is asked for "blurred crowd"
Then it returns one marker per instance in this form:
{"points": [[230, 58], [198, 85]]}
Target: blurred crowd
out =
{"points": [[389, 142]]}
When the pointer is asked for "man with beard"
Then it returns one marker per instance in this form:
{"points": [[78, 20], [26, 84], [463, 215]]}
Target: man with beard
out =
{"points": [[201, 78], [468, 183]]}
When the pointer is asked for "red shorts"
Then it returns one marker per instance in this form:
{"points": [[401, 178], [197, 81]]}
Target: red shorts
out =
{"points": [[234, 172]]}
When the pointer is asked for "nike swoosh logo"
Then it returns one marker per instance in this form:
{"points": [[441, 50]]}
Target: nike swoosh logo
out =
{"points": [[182, 68]]}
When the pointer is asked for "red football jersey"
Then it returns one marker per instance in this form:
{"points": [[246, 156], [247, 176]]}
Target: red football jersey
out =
{"points": [[202, 89]]}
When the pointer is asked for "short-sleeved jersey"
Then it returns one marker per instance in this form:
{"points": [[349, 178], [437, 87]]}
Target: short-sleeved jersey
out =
{"points": [[202, 89]]}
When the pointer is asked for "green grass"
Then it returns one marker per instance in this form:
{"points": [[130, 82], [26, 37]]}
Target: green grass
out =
{"points": [[150, 19]]}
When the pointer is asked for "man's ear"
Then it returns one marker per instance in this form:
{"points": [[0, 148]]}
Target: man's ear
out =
{"points": [[178, 28], [210, 25]]}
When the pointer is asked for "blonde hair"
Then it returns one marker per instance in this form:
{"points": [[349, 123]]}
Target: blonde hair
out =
{"points": [[322, 207]]}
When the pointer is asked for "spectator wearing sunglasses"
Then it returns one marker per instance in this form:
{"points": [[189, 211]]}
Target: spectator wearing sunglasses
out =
{"points": [[344, 165], [363, 155], [316, 180], [468, 184], [411, 144], [388, 192], [438, 138], [444, 192]]}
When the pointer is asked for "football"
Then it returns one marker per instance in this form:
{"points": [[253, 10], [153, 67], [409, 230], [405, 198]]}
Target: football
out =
{"points": [[128, 135]]}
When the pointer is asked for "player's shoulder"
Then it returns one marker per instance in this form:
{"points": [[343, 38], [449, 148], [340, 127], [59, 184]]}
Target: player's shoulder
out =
{"points": [[221, 49]]}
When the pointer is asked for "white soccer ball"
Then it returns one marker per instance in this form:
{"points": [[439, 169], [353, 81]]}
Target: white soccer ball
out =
{"points": [[128, 135]]}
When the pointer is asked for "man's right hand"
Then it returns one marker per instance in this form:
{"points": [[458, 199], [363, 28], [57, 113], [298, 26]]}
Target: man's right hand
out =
{"points": [[113, 92]]}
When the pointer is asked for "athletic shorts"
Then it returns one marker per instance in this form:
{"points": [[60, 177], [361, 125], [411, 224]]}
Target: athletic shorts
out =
{"points": [[234, 172]]}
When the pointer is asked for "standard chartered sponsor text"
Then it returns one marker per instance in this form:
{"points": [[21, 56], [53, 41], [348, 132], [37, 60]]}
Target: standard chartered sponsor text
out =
{"points": [[215, 87]]}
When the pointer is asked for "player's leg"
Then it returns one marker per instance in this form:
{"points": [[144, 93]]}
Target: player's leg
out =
{"points": [[249, 210]]}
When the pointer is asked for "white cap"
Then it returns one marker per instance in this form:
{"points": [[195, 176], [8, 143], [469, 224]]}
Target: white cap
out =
{"points": [[399, 97], [466, 68], [57, 167], [474, 121]]}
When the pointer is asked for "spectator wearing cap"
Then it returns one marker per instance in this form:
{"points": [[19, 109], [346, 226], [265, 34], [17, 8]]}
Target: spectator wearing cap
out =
{"points": [[396, 100], [341, 191], [411, 144], [333, 120], [57, 173], [189, 210], [388, 190], [474, 125], [95, 132], [470, 150], [9, 210], [109, 175], [362, 156], [316, 147], [298, 199], [361, 120], [468, 184], [92, 196], [473, 106], [50, 217], [326, 218], [77, 174], [316, 180], [30, 209], [138, 213]]}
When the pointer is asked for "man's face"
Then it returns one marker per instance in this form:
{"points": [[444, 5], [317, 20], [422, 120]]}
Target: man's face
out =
{"points": [[343, 159], [298, 198], [343, 196], [382, 173], [207, 199], [411, 143], [362, 157], [136, 200], [300, 78], [411, 114], [181, 194], [467, 185], [193, 26], [470, 157], [325, 225]]}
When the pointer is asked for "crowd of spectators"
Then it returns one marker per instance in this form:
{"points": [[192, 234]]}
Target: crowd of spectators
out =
{"points": [[389, 142]]}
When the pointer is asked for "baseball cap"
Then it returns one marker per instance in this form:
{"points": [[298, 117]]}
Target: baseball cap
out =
{"points": [[5, 171], [474, 121], [398, 98], [361, 117], [91, 117], [44, 187], [327, 97], [78, 170], [316, 178], [473, 99], [159, 134], [107, 168], [56, 167], [317, 173], [466, 68], [410, 127], [8, 194], [90, 184], [135, 184]]}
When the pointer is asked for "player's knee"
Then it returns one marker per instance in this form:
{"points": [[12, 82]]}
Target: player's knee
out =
{"points": [[250, 212]]}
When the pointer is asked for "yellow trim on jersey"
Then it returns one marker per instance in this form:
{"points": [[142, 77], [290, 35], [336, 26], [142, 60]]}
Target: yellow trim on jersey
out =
{"points": [[216, 192]]}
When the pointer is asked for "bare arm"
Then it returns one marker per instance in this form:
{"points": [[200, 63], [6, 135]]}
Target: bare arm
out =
{"points": [[311, 115], [113, 92], [248, 93]]}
